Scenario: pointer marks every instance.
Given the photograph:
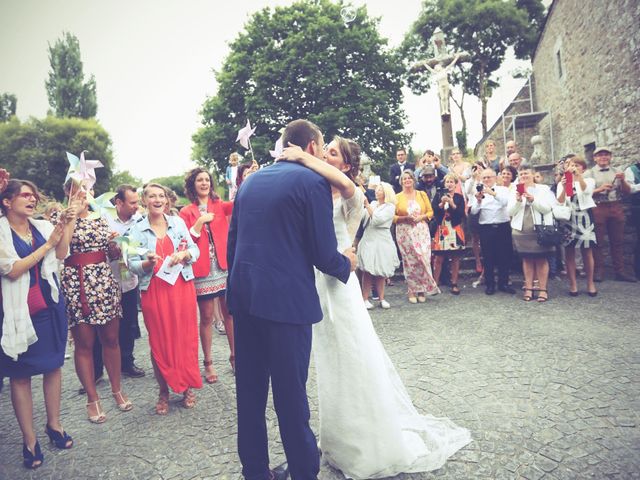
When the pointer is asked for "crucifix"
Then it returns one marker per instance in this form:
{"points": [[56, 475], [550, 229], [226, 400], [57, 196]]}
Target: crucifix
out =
{"points": [[440, 66]]}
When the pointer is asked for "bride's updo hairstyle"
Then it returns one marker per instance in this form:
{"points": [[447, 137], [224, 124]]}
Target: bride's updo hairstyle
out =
{"points": [[350, 151]]}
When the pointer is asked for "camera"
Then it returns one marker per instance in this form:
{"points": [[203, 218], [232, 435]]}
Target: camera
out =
{"points": [[480, 187]]}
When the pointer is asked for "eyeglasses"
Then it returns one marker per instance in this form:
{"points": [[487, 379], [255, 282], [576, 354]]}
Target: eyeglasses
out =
{"points": [[28, 195]]}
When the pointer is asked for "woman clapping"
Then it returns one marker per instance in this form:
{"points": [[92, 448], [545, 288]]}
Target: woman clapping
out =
{"points": [[32, 313]]}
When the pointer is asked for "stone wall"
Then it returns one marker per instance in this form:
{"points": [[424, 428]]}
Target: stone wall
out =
{"points": [[586, 74]]}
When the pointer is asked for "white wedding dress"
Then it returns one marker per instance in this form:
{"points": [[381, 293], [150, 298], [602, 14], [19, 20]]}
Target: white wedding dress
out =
{"points": [[369, 427]]}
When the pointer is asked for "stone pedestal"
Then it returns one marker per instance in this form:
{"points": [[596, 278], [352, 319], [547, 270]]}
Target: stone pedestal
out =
{"points": [[447, 138]]}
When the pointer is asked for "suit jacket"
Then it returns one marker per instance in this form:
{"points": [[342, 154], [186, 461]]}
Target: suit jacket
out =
{"points": [[219, 231], [394, 175], [282, 226]]}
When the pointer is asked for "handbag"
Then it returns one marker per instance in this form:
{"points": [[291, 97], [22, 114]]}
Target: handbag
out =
{"points": [[548, 235], [561, 211], [35, 299]]}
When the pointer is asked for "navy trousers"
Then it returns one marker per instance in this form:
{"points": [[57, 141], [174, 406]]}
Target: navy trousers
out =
{"points": [[280, 352]]}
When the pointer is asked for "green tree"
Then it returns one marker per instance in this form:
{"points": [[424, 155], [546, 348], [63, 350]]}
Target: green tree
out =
{"points": [[485, 29], [124, 177], [69, 95], [35, 150], [8, 104], [174, 182], [302, 61]]}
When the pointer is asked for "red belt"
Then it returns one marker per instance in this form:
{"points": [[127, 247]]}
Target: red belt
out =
{"points": [[79, 260]]}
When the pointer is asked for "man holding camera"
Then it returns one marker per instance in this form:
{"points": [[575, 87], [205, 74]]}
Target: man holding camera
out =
{"points": [[490, 202]]}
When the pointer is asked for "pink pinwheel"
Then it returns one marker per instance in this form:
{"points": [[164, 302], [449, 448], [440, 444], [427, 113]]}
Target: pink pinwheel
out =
{"points": [[244, 134], [278, 149], [82, 171]]}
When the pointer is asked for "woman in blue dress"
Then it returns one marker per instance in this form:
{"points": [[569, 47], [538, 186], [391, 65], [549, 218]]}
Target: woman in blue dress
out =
{"points": [[32, 313]]}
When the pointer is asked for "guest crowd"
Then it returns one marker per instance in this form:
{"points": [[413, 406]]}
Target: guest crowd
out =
{"points": [[69, 268]]}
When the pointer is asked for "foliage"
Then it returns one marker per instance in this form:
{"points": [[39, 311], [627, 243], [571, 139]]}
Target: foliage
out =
{"points": [[483, 28], [461, 140], [302, 61], [35, 150], [174, 182], [124, 177], [69, 95], [8, 104]]}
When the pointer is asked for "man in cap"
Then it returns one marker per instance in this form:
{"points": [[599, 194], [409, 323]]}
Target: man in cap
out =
{"points": [[608, 214]]}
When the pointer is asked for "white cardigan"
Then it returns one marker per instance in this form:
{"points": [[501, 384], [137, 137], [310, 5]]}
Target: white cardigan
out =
{"points": [[543, 201], [17, 328], [585, 198]]}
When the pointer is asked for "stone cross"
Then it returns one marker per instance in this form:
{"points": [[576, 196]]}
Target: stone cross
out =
{"points": [[440, 66]]}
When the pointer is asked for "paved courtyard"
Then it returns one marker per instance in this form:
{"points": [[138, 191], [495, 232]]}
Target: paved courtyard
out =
{"points": [[549, 391]]}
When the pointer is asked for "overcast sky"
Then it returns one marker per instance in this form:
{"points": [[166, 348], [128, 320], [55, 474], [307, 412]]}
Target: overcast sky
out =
{"points": [[154, 59]]}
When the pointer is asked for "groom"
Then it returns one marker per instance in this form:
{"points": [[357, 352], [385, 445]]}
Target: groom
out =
{"points": [[282, 226]]}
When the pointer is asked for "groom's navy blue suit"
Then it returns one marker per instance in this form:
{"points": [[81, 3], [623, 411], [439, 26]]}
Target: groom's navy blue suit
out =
{"points": [[282, 226]]}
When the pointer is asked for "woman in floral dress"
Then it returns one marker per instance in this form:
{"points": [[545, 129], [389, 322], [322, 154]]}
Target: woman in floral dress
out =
{"points": [[413, 210], [93, 300], [448, 241]]}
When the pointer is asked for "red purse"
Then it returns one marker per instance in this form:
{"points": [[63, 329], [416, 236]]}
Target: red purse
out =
{"points": [[35, 299]]}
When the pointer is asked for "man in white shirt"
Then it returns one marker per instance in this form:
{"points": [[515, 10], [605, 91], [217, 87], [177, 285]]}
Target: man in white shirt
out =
{"points": [[490, 202], [126, 201]]}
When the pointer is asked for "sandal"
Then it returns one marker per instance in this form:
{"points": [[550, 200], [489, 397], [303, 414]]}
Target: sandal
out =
{"points": [[542, 299], [61, 440], [100, 417], [454, 289], [421, 298], [189, 398], [124, 404], [162, 405], [528, 297], [213, 377], [32, 460]]}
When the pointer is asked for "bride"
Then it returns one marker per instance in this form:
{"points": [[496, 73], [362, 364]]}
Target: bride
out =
{"points": [[369, 427]]}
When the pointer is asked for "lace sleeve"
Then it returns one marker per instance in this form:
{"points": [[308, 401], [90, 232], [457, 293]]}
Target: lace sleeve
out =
{"points": [[352, 209]]}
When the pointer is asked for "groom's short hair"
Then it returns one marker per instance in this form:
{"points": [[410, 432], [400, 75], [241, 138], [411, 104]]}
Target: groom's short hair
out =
{"points": [[301, 133]]}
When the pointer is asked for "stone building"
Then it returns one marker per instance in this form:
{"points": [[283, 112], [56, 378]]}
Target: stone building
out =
{"points": [[585, 87]]}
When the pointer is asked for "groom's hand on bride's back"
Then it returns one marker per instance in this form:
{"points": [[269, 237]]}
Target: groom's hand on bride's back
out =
{"points": [[350, 253]]}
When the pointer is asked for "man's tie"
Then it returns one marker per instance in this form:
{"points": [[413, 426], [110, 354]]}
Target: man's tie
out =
{"points": [[604, 169]]}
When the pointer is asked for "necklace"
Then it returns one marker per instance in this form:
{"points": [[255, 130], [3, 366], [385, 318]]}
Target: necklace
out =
{"points": [[27, 237]]}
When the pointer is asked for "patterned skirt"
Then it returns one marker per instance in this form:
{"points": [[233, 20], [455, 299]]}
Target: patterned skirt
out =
{"points": [[414, 242], [214, 284], [580, 230]]}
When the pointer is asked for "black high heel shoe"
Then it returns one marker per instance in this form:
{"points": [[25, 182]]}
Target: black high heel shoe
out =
{"points": [[30, 459], [60, 440]]}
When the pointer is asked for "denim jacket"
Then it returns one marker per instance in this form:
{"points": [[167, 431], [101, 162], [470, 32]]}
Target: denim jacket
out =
{"points": [[141, 232]]}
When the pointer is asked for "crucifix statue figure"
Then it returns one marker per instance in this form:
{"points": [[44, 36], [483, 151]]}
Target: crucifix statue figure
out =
{"points": [[440, 66]]}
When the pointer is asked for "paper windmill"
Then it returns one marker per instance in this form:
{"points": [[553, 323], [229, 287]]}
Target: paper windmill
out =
{"points": [[101, 206], [129, 247], [244, 134], [278, 149], [82, 171]]}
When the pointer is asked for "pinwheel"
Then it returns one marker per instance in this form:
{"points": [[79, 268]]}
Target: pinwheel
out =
{"points": [[82, 171], [101, 206], [129, 247]]}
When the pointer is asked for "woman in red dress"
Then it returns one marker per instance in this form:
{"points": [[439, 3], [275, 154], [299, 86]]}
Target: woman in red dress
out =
{"points": [[169, 309], [206, 219]]}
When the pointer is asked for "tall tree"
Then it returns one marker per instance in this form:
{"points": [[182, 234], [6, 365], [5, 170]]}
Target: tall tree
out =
{"points": [[303, 61], [485, 29], [8, 104], [35, 150], [69, 95]]}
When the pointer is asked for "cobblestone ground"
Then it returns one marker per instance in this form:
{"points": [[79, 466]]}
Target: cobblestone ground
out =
{"points": [[549, 391]]}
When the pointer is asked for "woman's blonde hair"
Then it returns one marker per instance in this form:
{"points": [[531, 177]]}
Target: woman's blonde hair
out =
{"points": [[450, 176], [389, 194]]}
